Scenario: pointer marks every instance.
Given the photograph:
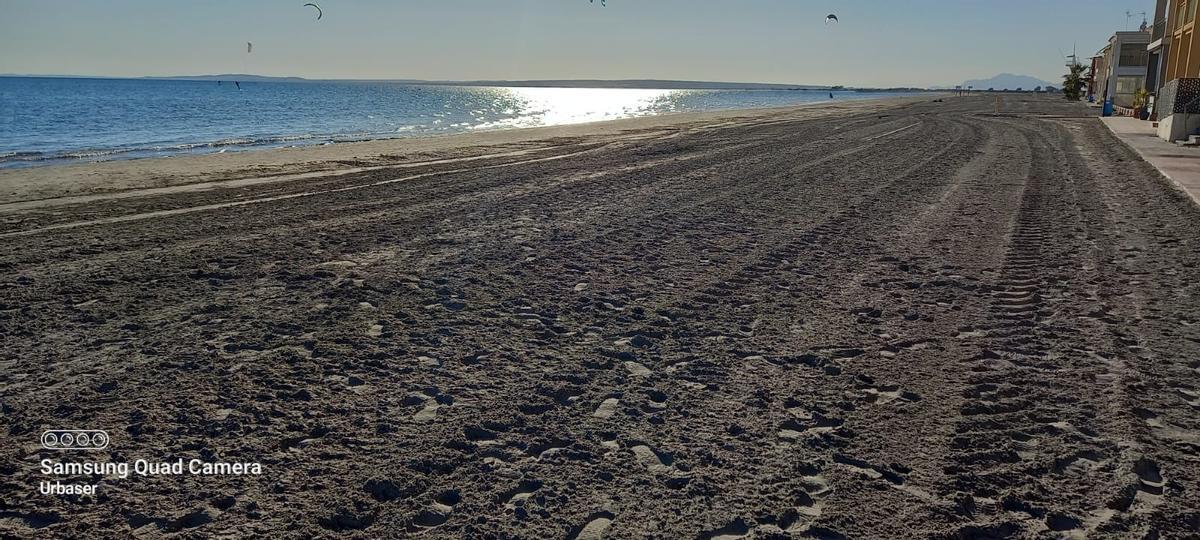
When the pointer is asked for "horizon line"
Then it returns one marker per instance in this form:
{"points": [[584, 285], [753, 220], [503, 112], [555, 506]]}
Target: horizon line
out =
{"points": [[471, 82]]}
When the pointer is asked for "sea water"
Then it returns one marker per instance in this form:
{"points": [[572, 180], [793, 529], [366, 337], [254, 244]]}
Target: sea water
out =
{"points": [[47, 120]]}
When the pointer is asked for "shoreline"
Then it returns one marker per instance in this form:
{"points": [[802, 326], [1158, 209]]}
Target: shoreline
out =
{"points": [[182, 145], [29, 185]]}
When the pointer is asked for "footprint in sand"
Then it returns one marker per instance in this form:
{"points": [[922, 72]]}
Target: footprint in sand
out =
{"points": [[1150, 476], [596, 528], [609, 441], [658, 400], [429, 411], [1079, 464], [733, 531], [660, 465], [439, 511], [796, 429], [606, 408], [653, 461], [517, 496], [874, 472], [638, 370], [887, 393], [808, 504]]}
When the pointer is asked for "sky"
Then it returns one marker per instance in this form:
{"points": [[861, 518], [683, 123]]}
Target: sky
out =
{"points": [[878, 43]]}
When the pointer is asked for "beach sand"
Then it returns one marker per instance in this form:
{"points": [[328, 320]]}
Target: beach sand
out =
{"points": [[905, 319]]}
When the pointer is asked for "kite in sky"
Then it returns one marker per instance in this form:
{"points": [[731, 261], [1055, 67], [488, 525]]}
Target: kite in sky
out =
{"points": [[318, 8]]}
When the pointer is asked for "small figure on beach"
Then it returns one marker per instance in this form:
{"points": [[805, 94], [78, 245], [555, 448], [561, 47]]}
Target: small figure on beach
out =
{"points": [[831, 95]]}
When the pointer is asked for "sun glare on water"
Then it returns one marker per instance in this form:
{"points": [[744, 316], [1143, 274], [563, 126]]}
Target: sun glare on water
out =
{"points": [[556, 106]]}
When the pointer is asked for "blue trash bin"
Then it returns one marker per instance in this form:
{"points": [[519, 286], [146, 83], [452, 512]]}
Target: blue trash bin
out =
{"points": [[1108, 107]]}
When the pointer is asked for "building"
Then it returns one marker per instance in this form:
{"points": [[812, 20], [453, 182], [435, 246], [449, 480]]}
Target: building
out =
{"points": [[1178, 103], [1159, 48], [1093, 74], [1125, 61], [1098, 79], [1184, 62]]}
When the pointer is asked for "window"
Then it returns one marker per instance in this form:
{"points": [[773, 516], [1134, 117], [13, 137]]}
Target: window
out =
{"points": [[1129, 85], [1126, 87], [1185, 12], [1132, 55]]}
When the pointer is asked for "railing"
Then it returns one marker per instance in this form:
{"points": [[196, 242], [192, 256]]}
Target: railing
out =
{"points": [[1169, 98], [1160, 30], [1192, 104]]}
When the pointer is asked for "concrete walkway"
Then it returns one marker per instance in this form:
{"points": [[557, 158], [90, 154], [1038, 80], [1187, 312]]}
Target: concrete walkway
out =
{"points": [[1178, 163]]}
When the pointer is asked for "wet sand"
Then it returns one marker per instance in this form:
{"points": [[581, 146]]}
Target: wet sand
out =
{"points": [[902, 320]]}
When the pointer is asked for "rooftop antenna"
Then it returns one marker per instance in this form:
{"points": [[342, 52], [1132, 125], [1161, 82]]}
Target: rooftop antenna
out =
{"points": [[1130, 14]]}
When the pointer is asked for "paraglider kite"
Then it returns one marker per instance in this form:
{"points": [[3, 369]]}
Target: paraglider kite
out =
{"points": [[318, 8], [831, 18]]}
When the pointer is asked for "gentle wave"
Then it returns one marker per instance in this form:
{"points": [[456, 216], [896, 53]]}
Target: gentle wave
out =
{"points": [[96, 154], [20, 156]]}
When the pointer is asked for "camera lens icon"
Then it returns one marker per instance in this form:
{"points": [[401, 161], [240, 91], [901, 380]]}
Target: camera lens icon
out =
{"points": [[75, 439]]}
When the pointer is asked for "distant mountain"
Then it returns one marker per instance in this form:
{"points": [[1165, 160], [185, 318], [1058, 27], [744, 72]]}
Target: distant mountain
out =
{"points": [[1008, 81]]}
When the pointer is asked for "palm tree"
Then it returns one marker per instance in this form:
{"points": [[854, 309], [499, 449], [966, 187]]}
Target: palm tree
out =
{"points": [[1074, 82]]}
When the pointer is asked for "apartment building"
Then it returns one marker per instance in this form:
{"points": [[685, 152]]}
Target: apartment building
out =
{"points": [[1177, 106], [1125, 61]]}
